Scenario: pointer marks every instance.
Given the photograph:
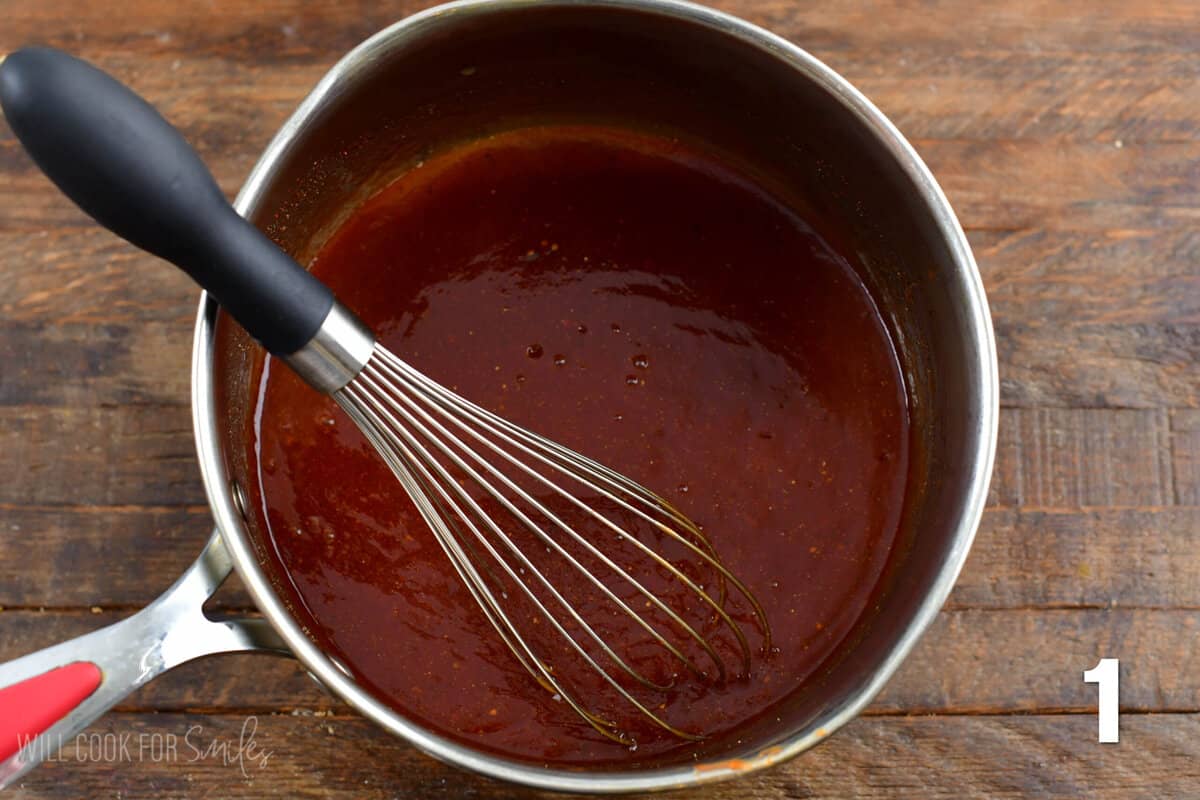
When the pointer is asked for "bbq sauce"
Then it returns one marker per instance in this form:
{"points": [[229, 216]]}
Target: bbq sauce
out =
{"points": [[646, 303]]}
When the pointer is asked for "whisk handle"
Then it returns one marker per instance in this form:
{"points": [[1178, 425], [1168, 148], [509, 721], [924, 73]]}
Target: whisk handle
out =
{"points": [[110, 152]]}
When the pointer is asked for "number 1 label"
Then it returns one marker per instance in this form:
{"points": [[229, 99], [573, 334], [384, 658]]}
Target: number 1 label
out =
{"points": [[1107, 675]]}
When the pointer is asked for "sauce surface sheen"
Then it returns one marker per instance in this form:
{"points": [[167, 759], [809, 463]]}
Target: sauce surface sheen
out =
{"points": [[637, 300]]}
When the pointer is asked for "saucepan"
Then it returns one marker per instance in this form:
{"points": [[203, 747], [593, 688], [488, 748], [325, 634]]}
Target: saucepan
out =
{"points": [[472, 68]]}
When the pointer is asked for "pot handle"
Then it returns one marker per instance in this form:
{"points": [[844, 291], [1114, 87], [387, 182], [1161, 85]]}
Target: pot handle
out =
{"points": [[48, 697]]}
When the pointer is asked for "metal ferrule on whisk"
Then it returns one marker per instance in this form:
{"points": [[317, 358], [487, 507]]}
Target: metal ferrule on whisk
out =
{"points": [[337, 352]]}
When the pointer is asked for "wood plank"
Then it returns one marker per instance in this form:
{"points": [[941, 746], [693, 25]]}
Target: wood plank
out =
{"points": [[1072, 458], [1008, 184], [1054, 364], [144, 455], [292, 30], [972, 661], [228, 128], [1042, 365], [105, 556], [56, 557], [1058, 185], [992, 661], [1069, 279], [1075, 26], [1117, 277], [80, 364], [975, 92], [871, 758], [1083, 558], [267, 33], [1185, 454], [86, 274], [230, 111], [78, 557], [77, 364], [122, 455], [1082, 321], [978, 94]]}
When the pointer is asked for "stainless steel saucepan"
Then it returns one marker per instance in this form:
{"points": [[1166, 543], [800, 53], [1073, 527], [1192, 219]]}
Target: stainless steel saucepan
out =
{"points": [[467, 69]]}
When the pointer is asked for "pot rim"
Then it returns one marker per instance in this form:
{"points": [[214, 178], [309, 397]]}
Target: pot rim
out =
{"points": [[328, 672]]}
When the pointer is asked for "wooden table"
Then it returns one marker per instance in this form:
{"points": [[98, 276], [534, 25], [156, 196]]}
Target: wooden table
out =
{"points": [[1065, 134]]}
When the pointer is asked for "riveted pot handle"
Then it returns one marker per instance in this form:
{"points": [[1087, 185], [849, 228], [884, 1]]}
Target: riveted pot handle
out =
{"points": [[48, 697]]}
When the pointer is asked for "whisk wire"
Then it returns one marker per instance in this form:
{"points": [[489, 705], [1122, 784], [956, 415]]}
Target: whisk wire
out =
{"points": [[420, 457], [570, 532], [578, 467], [466, 570], [409, 418], [514, 549]]}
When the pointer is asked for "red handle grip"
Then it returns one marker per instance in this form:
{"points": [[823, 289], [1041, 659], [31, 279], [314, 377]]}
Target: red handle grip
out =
{"points": [[28, 708]]}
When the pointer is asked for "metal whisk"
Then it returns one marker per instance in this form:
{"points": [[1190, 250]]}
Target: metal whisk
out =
{"points": [[511, 509], [425, 433]]}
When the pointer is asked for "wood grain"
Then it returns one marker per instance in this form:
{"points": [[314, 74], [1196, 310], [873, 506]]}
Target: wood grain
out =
{"points": [[68, 275], [87, 316], [1148, 366], [71, 365], [1138, 366], [116, 455], [78, 557], [1132, 558], [1033, 92], [1185, 451], [1004, 660], [131, 454], [1031, 660], [1068, 458], [874, 758], [1116, 277], [1089, 187]]}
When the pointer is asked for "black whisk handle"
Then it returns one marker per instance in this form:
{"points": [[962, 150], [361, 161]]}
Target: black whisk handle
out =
{"points": [[110, 152]]}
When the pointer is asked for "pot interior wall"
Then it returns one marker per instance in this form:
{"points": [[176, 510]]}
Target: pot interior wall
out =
{"points": [[458, 77]]}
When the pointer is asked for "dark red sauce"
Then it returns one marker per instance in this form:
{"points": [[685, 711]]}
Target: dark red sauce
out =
{"points": [[648, 305]]}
